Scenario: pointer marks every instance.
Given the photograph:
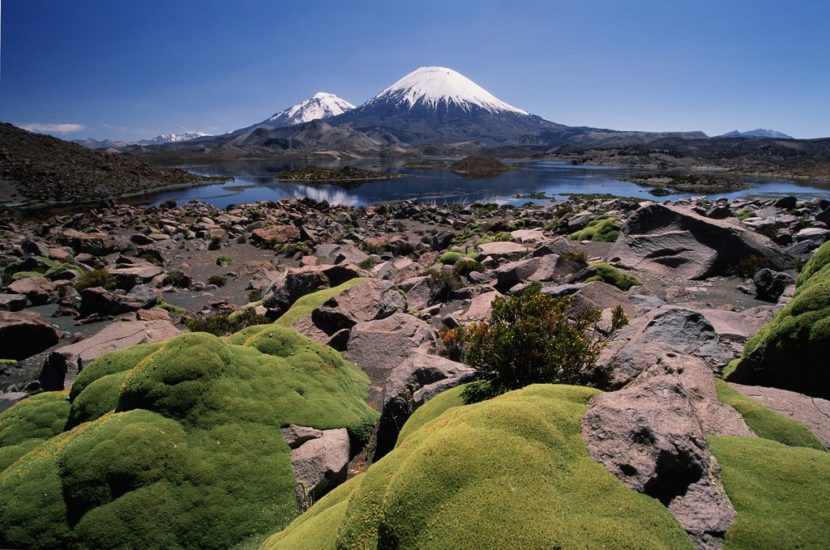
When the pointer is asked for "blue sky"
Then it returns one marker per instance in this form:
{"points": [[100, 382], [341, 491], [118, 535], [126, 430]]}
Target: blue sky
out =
{"points": [[126, 69]]}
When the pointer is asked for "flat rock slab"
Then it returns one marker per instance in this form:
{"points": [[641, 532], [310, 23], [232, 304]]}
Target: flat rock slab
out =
{"points": [[64, 363], [813, 412]]}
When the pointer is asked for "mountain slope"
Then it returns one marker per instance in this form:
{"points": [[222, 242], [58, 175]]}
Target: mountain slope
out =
{"points": [[35, 167]]}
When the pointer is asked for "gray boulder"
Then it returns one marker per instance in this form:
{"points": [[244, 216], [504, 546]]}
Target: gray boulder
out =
{"points": [[770, 285], [379, 346], [320, 463], [649, 436], [675, 241]]}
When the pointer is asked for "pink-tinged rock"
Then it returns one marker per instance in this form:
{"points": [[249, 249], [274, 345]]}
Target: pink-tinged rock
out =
{"points": [[276, 234], [63, 364]]}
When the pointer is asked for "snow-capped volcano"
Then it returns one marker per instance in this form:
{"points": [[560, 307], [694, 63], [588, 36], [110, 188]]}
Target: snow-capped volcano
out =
{"points": [[321, 105], [434, 86], [437, 105]]}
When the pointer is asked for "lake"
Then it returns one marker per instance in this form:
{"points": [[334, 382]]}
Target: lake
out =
{"points": [[257, 180]]}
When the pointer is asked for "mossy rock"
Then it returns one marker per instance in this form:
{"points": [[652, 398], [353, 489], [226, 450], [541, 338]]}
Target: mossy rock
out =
{"points": [[613, 276], [511, 472], [781, 493], [790, 351], [601, 230], [176, 445], [766, 422]]}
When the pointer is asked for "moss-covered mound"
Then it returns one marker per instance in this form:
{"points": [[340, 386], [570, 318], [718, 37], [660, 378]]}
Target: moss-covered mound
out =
{"points": [[601, 229], [29, 423], [511, 472], [766, 422], [175, 444], [613, 276], [781, 494], [791, 351]]}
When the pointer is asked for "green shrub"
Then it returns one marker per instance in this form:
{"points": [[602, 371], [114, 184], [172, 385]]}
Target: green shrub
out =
{"points": [[450, 257], [443, 284], [217, 280], [511, 472], [613, 276], [601, 229], [224, 260], [529, 339], [95, 278], [765, 422], [781, 494], [464, 266]]}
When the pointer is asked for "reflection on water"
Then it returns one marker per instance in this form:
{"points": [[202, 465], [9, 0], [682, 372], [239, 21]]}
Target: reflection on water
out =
{"points": [[256, 181]]}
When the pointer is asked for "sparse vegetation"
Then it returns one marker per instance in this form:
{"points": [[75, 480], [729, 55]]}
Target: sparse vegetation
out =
{"points": [[601, 229], [530, 339], [217, 280], [95, 278], [221, 324], [613, 276]]}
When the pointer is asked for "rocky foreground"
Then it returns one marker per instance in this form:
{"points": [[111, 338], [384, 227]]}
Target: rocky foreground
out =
{"points": [[661, 450]]}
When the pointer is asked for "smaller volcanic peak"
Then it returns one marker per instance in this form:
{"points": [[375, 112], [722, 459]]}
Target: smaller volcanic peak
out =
{"points": [[320, 106]]}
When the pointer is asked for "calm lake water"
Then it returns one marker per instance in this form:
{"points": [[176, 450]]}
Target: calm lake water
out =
{"points": [[257, 180]]}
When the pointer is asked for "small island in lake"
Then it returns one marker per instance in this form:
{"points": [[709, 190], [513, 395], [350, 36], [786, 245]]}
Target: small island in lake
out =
{"points": [[672, 182], [346, 176], [478, 166]]}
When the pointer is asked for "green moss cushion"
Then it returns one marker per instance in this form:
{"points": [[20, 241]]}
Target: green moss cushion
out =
{"points": [[178, 446], [791, 351], [30, 422], [601, 229], [781, 494], [766, 422], [613, 276], [511, 472]]}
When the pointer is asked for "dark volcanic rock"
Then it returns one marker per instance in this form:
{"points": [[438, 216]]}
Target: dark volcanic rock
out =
{"points": [[770, 285], [23, 334]]}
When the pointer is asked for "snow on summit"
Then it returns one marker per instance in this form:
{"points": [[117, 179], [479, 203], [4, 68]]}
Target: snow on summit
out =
{"points": [[431, 86], [319, 106]]}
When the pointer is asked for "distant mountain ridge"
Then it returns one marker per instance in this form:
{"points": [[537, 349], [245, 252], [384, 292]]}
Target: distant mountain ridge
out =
{"points": [[759, 132]]}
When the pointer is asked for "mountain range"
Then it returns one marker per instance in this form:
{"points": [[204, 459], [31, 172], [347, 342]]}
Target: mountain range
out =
{"points": [[760, 132], [433, 110]]}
